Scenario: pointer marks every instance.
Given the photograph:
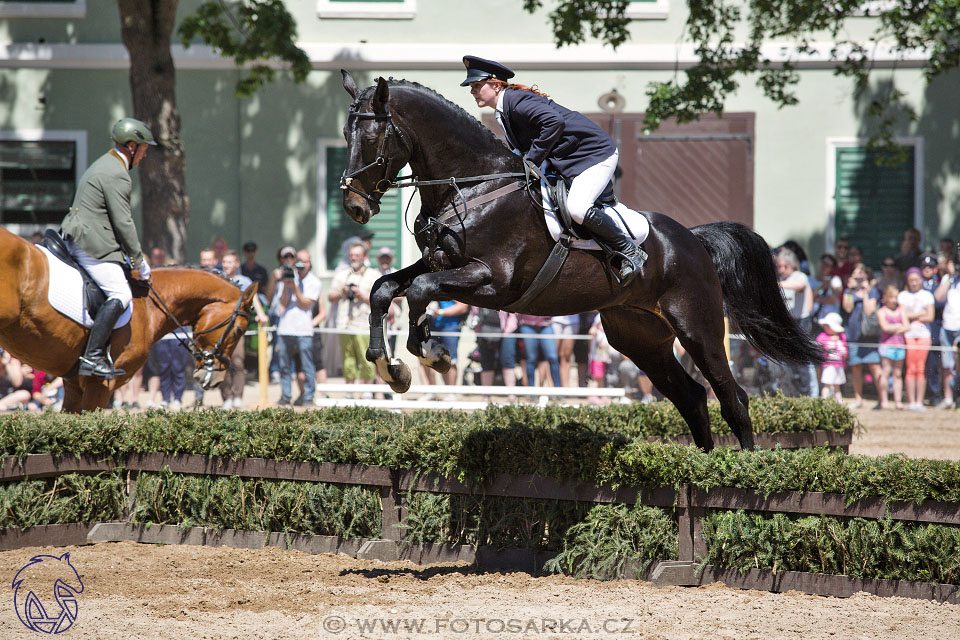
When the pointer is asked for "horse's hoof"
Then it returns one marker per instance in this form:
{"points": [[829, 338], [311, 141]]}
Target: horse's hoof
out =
{"points": [[443, 364], [401, 378]]}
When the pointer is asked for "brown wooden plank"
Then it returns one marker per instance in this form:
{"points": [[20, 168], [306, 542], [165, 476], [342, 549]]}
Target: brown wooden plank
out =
{"points": [[538, 488], [45, 465], [48, 535], [833, 504], [261, 468], [802, 440]]}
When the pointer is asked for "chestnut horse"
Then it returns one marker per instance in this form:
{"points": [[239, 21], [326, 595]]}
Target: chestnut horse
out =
{"points": [[489, 253], [35, 333]]}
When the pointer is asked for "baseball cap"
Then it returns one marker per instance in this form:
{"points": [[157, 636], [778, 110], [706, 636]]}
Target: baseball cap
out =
{"points": [[365, 235], [250, 246], [928, 260], [288, 250], [385, 251]]}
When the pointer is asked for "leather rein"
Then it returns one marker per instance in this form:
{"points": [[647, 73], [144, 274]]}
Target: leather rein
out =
{"points": [[400, 182], [207, 357]]}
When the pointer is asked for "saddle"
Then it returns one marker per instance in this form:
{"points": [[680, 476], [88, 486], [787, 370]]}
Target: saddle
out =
{"points": [[93, 295], [558, 185]]}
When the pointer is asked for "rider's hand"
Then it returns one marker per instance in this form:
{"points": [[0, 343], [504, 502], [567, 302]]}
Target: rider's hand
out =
{"points": [[143, 272]]}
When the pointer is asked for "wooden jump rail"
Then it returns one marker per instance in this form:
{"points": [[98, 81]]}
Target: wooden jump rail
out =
{"points": [[690, 502]]}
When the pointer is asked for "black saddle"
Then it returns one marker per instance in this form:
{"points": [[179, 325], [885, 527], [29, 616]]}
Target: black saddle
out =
{"points": [[558, 186], [93, 295]]}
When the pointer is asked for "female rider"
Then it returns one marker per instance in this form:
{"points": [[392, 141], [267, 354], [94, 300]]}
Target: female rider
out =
{"points": [[578, 149]]}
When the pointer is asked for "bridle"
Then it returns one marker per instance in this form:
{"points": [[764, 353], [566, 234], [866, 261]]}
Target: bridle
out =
{"points": [[207, 358], [383, 155]]}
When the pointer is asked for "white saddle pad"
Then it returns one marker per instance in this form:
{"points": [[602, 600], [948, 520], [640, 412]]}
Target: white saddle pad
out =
{"points": [[637, 225], [65, 292]]}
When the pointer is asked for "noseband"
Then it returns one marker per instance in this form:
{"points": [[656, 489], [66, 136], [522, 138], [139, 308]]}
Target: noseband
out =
{"points": [[208, 358], [383, 156]]}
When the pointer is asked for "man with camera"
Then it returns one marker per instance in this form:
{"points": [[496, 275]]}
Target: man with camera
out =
{"points": [[296, 292], [351, 290]]}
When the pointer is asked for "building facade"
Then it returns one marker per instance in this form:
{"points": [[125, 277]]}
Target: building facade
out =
{"points": [[266, 168]]}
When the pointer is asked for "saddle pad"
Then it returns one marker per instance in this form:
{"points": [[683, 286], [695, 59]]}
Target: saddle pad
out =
{"points": [[638, 226], [65, 292]]}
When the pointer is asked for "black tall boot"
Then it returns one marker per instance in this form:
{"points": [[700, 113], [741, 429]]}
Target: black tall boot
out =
{"points": [[94, 362], [607, 231]]}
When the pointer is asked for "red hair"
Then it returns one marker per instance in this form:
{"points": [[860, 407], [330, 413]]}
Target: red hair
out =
{"points": [[520, 87]]}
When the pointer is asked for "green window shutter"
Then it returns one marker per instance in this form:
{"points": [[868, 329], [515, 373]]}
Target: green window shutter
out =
{"points": [[874, 204], [37, 181], [386, 225]]}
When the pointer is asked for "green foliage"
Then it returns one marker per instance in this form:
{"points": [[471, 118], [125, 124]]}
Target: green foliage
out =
{"points": [[253, 33], [257, 505], [612, 535], [887, 548], [69, 498], [728, 37]]}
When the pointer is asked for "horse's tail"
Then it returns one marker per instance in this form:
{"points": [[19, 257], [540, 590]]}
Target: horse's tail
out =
{"points": [[752, 294]]}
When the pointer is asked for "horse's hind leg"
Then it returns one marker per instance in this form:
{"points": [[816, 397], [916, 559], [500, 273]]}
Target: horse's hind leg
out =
{"points": [[647, 340], [698, 321]]}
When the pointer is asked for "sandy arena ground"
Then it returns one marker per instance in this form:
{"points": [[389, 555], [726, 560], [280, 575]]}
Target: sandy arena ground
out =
{"points": [[141, 591]]}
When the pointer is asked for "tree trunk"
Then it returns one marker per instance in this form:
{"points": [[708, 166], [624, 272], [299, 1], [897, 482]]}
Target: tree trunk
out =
{"points": [[146, 27]]}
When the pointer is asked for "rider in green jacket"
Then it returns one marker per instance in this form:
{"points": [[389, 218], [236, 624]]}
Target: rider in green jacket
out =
{"points": [[100, 233]]}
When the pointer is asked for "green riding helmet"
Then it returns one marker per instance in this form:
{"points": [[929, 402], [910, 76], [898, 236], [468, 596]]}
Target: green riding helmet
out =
{"points": [[131, 130]]}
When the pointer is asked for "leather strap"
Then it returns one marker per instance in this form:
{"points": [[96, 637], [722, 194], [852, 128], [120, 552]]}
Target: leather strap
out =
{"points": [[551, 267]]}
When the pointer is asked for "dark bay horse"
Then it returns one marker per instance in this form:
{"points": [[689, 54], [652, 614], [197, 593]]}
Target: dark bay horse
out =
{"points": [[489, 255], [35, 333]]}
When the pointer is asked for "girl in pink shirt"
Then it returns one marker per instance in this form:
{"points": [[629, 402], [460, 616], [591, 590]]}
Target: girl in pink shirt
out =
{"points": [[834, 342]]}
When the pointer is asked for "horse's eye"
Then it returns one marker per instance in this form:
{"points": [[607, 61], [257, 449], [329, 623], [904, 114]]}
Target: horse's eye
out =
{"points": [[370, 139]]}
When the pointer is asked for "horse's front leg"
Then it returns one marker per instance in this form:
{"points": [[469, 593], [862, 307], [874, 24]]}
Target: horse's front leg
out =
{"points": [[393, 371], [451, 284]]}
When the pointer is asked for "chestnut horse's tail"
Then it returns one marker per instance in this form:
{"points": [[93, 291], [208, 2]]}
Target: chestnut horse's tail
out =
{"points": [[752, 294]]}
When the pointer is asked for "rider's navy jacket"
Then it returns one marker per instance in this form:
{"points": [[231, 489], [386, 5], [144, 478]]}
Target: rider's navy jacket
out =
{"points": [[543, 129]]}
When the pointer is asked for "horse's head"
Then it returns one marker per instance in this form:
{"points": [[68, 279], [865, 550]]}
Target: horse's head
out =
{"points": [[376, 149], [220, 327]]}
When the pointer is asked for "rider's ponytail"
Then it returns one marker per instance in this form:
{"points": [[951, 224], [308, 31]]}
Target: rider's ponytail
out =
{"points": [[520, 87]]}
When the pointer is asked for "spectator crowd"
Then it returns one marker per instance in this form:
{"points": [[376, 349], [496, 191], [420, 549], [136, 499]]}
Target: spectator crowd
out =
{"points": [[889, 333]]}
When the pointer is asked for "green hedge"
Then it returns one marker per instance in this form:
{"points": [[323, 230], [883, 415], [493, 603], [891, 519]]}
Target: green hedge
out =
{"points": [[603, 445]]}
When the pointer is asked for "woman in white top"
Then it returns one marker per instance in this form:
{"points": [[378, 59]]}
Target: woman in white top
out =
{"points": [[949, 290], [917, 302]]}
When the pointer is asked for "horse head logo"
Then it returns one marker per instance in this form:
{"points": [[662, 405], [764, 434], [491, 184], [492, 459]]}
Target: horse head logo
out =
{"points": [[45, 593]]}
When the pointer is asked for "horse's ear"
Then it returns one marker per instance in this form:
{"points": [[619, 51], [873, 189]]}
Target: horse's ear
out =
{"points": [[349, 84], [249, 293], [382, 96]]}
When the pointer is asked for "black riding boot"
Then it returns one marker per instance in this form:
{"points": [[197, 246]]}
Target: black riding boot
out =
{"points": [[94, 362], [609, 233]]}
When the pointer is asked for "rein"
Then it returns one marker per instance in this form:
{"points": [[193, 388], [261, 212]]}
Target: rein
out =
{"points": [[208, 357]]}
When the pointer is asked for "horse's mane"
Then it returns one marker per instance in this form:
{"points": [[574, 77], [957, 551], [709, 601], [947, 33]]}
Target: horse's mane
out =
{"points": [[196, 267], [463, 118]]}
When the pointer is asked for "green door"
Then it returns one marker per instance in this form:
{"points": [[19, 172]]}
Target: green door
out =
{"points": [[386, 225], [874, 203]]}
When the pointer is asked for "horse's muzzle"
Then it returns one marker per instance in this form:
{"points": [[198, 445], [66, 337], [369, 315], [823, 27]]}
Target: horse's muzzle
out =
{"points": [[208, 378], [359, 210]]}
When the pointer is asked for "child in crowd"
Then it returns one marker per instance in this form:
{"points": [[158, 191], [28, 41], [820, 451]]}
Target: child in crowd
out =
{"points": [[834, 342], [893, 324], [600, 356]]}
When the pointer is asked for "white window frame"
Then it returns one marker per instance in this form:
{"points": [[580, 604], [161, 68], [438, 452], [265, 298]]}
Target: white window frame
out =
{"points": [[408, 243], [77, 136], [405, 10], [76, 9], [831, 201], [658, 10]]}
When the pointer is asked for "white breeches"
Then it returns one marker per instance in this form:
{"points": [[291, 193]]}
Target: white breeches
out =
{"points": [[109, 275], [587, 187]]}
